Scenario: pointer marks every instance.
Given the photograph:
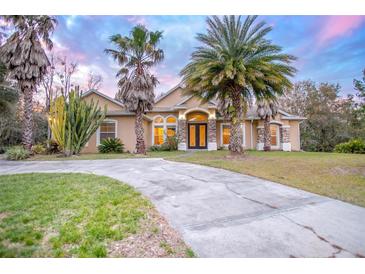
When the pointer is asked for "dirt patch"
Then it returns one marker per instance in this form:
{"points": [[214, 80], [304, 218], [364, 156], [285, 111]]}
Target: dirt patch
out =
{"points": [[348, 171], [4, 215], [155, 239]]}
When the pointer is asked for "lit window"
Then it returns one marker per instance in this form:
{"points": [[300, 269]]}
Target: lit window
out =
{"points": [[158, 135], [171, 131], [171, 120], [197, 117], [226, 134], [158, 120], [107, 130]]}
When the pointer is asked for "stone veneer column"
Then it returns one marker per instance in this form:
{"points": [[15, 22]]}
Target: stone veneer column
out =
{"points": [[285, 144], [260, 138], [181, 134], [212, 134]]}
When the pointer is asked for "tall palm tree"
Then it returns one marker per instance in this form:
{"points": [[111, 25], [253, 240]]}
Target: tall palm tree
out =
{"points": [[26, 61], [136, 55], [237, 62], [265, 110]]}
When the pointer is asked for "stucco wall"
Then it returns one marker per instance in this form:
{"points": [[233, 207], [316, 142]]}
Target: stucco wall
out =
{"points": [[102, 102], [171, 99], [125, 132], [294, 135]]}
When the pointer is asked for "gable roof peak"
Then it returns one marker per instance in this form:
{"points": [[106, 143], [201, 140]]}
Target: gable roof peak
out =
{"points": [[90, 91]]}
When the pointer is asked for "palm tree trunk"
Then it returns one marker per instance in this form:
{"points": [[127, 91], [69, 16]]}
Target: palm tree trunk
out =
{"points": [[267, 140], [140, 145], [27, 135], [235, 144]]}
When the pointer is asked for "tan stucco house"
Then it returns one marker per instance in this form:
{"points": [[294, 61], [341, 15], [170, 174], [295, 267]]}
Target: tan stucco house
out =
{"points": [[197, 125]]}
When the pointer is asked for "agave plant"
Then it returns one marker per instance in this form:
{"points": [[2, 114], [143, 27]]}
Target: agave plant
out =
{"points": [[73, 121], [110, 145], [267, 109]]}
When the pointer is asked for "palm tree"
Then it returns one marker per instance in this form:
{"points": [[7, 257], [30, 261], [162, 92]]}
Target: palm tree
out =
{"points": [[237, 62], [26, 61], [265, 110], [136, 55]]}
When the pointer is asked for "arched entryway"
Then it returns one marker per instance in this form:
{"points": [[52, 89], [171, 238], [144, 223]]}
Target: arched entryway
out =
{"points": [[197, 123]]}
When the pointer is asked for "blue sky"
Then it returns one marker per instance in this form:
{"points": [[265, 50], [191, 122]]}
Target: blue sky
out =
{"points": [[329, 48]]}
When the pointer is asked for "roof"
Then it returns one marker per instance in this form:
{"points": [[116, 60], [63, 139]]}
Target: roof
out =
{"points": [[252, 115], [102, 95], [168, 92]]}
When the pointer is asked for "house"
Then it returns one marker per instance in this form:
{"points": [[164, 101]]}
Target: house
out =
{"points": [[197, 125]]}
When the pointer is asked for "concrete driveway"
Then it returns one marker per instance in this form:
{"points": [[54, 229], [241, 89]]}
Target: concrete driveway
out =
{"points": [[224, 214]]}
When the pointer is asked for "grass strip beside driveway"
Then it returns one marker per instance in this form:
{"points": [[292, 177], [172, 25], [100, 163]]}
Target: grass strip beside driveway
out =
{"points": [[80, 215]]}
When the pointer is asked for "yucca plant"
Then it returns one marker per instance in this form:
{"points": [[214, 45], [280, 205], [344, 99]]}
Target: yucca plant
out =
{"points": [[73, 121], [111, 145]]}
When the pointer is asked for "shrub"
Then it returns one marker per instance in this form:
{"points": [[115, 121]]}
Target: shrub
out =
{"points": [[111, 145], [38, 149], [352, 146], [52, 147], [16, 153], [170, 144]]}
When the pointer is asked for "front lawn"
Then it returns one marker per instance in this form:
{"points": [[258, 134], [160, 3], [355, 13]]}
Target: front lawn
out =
{"points": [[104, 156], [340, 176], [79, 215]]}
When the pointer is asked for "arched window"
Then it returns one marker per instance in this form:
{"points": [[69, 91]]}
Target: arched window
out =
{"points": [[171, 126], [171, 120], [158, 120], [163, 128], [197, 117]]}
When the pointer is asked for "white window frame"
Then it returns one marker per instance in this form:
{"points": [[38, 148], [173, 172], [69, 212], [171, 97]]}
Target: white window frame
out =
{"points": [[107, 121], [164, 125], [243, 127]]}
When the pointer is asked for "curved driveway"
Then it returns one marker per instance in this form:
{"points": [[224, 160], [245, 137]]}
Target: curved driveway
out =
{"points": [[225, 214]]}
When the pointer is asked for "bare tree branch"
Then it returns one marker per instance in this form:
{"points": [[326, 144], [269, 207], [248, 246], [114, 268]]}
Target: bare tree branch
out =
{"points": [[94, 81]]}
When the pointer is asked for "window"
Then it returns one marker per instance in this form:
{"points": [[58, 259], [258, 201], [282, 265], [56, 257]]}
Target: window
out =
{"points": [[171, 131], [197, 117], [226, 132], [158, 135], [158, 120], [274, 135], [163, 128], [107, 129], [171, 120]]}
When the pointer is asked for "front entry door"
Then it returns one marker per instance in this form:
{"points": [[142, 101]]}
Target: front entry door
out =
{"points": [[197, 136]]}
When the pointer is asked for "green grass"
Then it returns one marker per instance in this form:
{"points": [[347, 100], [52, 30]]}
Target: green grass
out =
{"points": [[336, 175], [340, 176], [66, 215], [104, 156]]}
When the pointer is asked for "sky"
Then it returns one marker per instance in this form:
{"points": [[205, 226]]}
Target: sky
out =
{"points": [[328, 48]]}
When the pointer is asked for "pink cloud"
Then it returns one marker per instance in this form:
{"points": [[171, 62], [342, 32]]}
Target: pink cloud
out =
{"points": [[338, 26], [135, 19], [61, 50]]}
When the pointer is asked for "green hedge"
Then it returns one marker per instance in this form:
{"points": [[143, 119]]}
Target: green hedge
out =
{"points": [[352, 146]]}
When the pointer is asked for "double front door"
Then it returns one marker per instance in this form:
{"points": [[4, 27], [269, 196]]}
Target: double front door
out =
{"points": [[197, 136]]}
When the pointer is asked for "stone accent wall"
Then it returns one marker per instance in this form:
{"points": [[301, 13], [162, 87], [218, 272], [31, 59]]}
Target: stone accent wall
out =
{"points": [[212, 131], [260, 135], [181, 134], [284, 134]]}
